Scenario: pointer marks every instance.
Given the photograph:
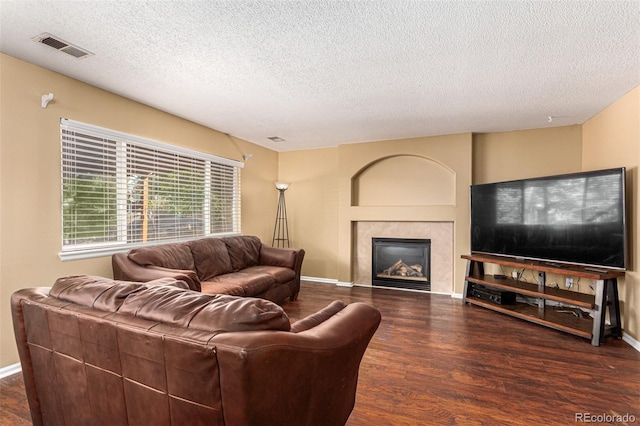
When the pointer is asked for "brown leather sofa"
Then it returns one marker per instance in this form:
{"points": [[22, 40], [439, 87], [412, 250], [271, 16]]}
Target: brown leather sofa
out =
{"points": [[98, 351], [238, 266]]}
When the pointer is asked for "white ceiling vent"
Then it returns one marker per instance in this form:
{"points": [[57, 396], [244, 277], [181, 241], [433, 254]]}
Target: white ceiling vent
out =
{"points": [[62, 46]]}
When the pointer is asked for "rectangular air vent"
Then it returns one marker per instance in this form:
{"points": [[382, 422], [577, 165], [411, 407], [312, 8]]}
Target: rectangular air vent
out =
{"points": [[62, 46]]}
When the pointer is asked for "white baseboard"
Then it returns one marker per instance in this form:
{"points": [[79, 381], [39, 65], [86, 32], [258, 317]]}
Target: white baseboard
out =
{"points": [[319, 280], [631, 341], [327, 281], [10, 370]]}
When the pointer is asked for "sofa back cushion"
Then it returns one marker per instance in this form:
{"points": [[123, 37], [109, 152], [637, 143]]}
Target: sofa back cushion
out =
{"points": [[103, 293], [211, 313], [172, 305], [211, 258], [244, 251], [172, 256]]}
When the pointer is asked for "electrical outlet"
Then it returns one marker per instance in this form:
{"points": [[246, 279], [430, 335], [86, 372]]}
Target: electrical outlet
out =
{"points": [[569, 282]]}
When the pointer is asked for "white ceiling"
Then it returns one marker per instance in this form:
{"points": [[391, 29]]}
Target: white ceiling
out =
{"points": [[323, 73]]}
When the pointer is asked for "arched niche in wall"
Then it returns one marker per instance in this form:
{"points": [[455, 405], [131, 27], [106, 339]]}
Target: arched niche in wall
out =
{"points": [[403, 180]]}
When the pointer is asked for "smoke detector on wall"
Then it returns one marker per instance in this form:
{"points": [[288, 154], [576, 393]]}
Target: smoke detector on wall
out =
{"points": [[61, 45]]}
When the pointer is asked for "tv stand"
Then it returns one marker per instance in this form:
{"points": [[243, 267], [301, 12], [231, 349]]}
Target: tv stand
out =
{"points": [[569, 317]]}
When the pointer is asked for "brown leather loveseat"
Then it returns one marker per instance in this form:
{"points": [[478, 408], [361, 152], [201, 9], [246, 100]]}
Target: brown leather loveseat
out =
{"points": [[238, 266], [99, 351]]}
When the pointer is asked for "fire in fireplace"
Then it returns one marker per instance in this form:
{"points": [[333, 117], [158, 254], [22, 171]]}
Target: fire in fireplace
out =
{"points": [[401, 262]]}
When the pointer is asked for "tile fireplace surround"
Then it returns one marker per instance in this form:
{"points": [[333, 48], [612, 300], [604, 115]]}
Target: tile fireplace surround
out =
{"points": [[440, 234]]}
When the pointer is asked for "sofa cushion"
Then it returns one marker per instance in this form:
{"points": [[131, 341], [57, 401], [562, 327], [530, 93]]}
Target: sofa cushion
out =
{"points": [[172, 256], [252, 283], [244, 251], [219, 313], [281, 275], [232, 313], [103, 293], [172, 305], [94, 292], [211, 258], [213, 287]]}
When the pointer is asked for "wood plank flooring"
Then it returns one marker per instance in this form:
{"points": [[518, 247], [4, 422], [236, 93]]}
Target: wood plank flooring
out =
{"points": [[435, 361]]}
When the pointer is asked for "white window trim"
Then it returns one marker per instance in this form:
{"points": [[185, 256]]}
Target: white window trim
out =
{"points": [[110, 134]]}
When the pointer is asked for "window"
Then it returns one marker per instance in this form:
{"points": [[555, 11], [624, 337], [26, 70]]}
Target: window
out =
{"points": [[120, 191]]}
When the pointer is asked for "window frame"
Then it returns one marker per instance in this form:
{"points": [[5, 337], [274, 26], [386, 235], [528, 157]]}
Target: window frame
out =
{"points": [[123, 140]]}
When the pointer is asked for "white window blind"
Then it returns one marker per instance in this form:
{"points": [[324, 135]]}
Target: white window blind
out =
{"points": [[120, 191]]}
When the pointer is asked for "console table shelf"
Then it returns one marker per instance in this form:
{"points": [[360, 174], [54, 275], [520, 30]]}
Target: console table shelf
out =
{"points": [[568, 318], [582, 300]]}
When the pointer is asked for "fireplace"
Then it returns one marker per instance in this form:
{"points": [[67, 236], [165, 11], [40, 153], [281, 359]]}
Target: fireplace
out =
{"points": [[401, 263]]}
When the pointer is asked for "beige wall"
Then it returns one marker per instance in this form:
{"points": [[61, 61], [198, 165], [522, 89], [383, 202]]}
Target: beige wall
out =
{"points": [[453, 152], [312, 207], [612, 139], [322, 202], [319, 201], [30, 221], [527, 153]]}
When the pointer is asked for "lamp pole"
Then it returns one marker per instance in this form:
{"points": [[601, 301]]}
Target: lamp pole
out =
{"points": [[281, 228]]}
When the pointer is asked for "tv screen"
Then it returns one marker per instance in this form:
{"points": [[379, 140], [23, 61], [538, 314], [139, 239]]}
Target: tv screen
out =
{"points": [[576, 218]]}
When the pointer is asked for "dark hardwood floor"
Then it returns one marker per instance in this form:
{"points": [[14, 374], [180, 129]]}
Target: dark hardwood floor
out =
{"points": [[435, 361]]}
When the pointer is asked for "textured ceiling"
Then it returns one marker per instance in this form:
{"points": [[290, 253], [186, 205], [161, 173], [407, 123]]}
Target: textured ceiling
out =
{"points": [[323, 73]]}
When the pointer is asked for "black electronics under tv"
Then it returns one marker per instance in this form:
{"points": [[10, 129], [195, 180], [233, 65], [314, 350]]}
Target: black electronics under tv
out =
{"points": [[576, 218]]}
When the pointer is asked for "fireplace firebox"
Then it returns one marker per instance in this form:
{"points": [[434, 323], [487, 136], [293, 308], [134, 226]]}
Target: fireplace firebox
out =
{"points": [[401, 263]]}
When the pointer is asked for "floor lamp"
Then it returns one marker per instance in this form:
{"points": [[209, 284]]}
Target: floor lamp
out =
{"points": [[281, 229]]}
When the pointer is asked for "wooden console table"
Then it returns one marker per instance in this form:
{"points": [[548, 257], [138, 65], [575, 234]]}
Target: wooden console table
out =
{"points": [[477, 285]]}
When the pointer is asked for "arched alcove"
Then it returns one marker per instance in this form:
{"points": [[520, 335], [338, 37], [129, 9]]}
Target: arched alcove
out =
{"points": [[403, 180]]}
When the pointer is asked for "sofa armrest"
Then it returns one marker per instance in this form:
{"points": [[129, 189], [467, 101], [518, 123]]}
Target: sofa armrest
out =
{"points": [[127, 270], [318, 318], [309, 377], [285, 257], [18, 300], [274, 256]]}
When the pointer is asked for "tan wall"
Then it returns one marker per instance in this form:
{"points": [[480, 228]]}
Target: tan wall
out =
{"points": [[312, 207], [612, 139], [30, 220], [322, 205], [319, 201], [527, 153], [404, 180], [452, 151]]}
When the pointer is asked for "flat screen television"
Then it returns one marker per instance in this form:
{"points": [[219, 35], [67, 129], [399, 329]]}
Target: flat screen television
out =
{"points": [[577, 218]]}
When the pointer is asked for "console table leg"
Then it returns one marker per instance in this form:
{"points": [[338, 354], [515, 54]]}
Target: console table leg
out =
{"points": [[471, 269], [465, 291], [597, 334], [542, 282], [614, 307]]}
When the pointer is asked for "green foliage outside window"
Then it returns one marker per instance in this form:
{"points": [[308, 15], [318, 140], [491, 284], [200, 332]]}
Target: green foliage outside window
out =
{"points": [[89, 209]]}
